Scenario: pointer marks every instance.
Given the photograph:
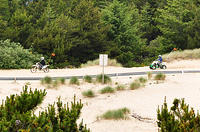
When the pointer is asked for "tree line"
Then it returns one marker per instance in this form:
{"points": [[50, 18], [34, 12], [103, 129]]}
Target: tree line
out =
{"points": [[132, 31]]}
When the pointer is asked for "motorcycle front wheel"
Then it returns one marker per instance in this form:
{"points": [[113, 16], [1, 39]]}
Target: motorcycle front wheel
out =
{"points": [[33, 69]]}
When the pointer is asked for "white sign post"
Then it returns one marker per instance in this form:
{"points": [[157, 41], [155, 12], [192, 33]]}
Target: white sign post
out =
{"points": [[103, 61]]}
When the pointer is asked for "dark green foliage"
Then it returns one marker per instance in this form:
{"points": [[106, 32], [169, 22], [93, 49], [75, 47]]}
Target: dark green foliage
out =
{"points": [[16, 114], [62, 80], [107, 79], [180, 118], [74, 80], [13, 55], [133, 32], [87, 78], [107, 89], [18, 108], [116, 114]]}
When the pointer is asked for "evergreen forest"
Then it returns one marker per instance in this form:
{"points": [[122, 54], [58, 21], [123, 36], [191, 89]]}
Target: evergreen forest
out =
{"points": [[134, 32]]}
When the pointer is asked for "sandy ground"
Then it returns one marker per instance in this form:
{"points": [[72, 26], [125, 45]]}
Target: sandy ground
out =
{"points": [[143, 102]]}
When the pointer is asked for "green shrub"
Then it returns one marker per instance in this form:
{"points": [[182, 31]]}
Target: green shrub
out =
{"points": [[46, 80], [142, 80], [88, 79], [180, 118], [61, 80], [135, 85], [14, 56], [116, 114], [88, 93], [74, 80], [16, 114], [160, 76], [149, 75], [107, 79], [107, 89], [120, 87]]}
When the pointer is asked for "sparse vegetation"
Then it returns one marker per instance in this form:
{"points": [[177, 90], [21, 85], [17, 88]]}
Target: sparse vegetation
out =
{"points": [[46, 80], [116, 114], [74, 80], [135, 85], [61, 80], [107, 79], [160, 76], [120, 87], [111, 62], [88, 93], [107, 89], [142, 80], [88, 79], [185, 54], [149, 75]]}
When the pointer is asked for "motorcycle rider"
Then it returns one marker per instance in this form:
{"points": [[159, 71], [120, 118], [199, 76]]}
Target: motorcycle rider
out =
{"points": [[159, 60], [42, 62]]}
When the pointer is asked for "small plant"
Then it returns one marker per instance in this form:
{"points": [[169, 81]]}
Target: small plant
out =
{"points": [[88, 79], [135, 85], [142, 80], [120, 87], [55, 83], [74, 80], [160, 76], [107, 79], [116, 114], [149, 75], [46, 80], [61, 80], [88, 93], [107, 89]]}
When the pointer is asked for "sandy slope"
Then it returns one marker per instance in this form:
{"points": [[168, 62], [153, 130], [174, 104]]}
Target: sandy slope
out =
{"points": [[144, 101]]}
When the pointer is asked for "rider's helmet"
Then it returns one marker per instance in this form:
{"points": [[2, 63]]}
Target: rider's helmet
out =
{"points": [[42, 58], [159, 56]]}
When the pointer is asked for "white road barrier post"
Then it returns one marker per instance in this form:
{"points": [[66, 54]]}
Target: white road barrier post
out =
{"points": [[103, 61]]}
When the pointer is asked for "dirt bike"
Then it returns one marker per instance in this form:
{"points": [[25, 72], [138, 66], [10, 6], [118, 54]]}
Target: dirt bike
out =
{"points": [[37, 66], [155, 64]]}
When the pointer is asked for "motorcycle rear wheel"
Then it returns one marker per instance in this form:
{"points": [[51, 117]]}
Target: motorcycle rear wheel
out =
{"points": [[46, 69]]}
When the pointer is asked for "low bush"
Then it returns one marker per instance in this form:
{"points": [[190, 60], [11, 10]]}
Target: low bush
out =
{"points": [[61, 80], [88, 93], [14, 56], [88, 79], [180, 118], [142, 80], [107, 79], [46, 80], [120, 87], [116, 114], [149, 75], [107, 89], [160, 76], [16, 114], [74, 80], [135, 85]]}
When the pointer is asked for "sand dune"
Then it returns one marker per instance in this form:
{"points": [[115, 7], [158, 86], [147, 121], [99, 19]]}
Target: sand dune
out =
{"points": [[143, 102]]}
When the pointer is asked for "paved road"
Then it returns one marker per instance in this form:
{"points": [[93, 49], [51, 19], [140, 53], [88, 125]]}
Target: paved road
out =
{"points": [[111, 75]]}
